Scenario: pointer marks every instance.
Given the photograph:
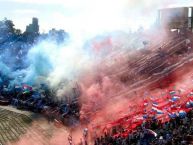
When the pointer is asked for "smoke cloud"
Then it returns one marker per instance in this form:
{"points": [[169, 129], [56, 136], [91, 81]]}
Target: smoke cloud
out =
{"points": [[102, 38]]}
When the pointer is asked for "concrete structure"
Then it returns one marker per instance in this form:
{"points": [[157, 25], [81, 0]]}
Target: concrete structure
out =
{"points": [[34, 27], [176, 18], [16, 124]]}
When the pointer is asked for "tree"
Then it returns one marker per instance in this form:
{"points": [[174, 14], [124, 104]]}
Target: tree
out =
{"points": [[9, 26], [17, 32]]}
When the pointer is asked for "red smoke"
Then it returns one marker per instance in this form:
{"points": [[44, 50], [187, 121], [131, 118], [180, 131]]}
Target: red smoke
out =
{"points": [[107, 100]]}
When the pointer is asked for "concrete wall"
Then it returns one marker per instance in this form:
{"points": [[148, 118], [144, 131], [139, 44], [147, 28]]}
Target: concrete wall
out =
{"points": [[175, 18]]}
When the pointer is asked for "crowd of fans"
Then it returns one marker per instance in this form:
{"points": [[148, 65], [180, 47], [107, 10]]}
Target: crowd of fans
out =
{"points": [[39, 101], [177, 131]]}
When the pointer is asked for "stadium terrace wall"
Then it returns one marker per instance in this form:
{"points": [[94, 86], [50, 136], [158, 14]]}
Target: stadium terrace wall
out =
{"points": [[176, 18]]}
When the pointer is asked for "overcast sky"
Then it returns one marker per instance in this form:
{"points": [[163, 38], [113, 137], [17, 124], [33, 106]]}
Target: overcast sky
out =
{"points": [[84, 15]]}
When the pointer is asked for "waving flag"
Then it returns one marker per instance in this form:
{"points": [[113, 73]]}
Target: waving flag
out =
{"points": [[161, 105], [155, 104], [26, 89], [175, 98], [158, 111]]}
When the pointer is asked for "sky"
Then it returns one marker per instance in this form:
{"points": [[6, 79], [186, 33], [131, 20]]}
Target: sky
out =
{"points": [[85, 16]]}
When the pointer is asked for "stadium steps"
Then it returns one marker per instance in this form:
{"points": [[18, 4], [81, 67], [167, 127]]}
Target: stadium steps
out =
{"points": [[171, 47], [14, 126]]}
